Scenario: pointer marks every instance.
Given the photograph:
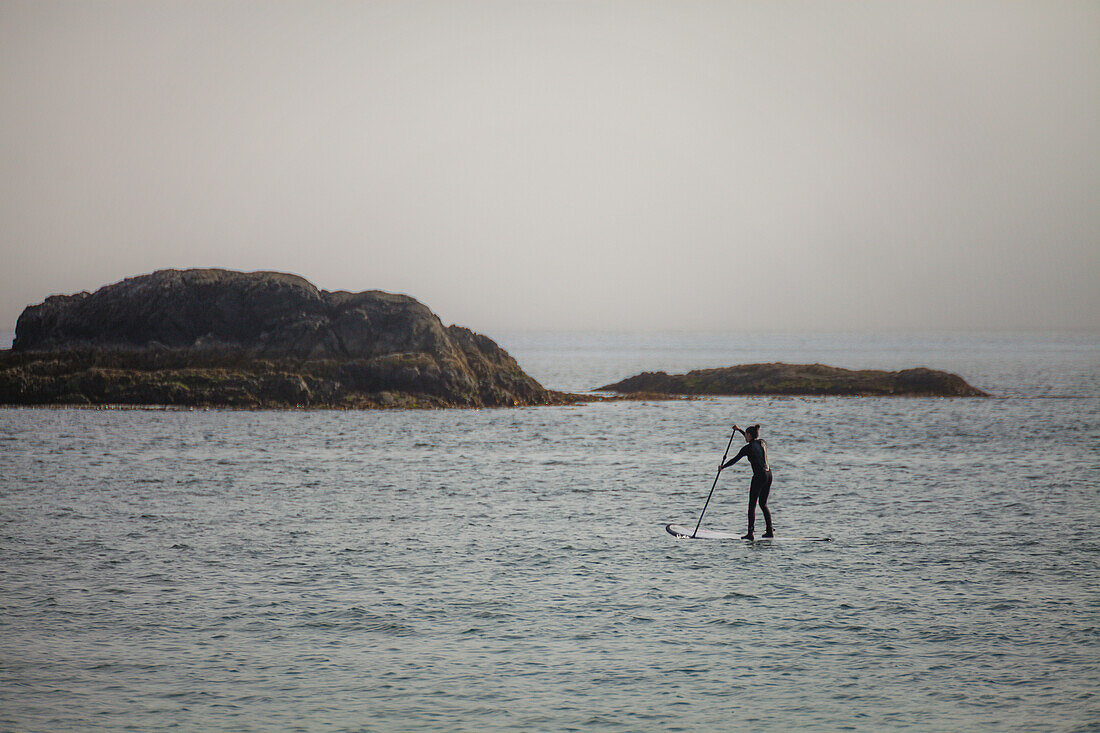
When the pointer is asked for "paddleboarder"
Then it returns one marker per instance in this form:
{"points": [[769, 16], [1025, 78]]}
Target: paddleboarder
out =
{"points": [[756, 450]]}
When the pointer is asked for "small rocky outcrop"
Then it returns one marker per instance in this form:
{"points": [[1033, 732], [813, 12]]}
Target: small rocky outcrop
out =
{"points": [[800, 379], [260, 339]]}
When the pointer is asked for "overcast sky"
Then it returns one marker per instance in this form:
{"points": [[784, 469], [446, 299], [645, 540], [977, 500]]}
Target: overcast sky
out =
{"points": [[595, 165]]}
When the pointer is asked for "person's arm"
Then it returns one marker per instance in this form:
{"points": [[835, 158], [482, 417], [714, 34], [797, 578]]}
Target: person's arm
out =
{"points": [[741, 454]]}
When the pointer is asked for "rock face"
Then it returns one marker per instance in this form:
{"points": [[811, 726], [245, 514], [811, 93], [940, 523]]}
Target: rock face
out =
{"points": [[260, 339], [800, 379]]}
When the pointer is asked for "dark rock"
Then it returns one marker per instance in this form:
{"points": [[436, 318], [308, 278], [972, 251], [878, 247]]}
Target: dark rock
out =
{"points": [[267, 313], [261, 339], [800, 379]]}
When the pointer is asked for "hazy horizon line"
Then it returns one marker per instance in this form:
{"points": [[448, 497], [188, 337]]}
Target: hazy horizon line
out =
{"points": [[7, 336]]}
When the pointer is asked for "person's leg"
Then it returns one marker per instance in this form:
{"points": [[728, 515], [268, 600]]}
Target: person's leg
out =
{"points": [[754, 492], [765, 489]]}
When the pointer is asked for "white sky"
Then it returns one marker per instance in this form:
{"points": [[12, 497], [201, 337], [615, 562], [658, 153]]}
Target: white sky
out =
{"points": [[596, 165]]}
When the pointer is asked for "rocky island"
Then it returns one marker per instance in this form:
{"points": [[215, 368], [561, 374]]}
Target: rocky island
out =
{"points": [[800, 379], [260, 339]]}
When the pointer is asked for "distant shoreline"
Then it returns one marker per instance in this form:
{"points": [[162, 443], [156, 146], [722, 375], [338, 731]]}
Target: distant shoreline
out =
{"points": [[782, 379], [582, 400]]}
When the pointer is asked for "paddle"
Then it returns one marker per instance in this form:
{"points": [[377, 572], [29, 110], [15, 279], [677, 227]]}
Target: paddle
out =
{"points": [[735, 429]]}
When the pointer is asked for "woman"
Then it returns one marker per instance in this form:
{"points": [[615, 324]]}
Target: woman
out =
{"points": [[756, 450]]}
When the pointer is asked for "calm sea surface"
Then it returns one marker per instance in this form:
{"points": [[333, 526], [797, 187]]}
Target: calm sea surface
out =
{"points": [[509, 569]]}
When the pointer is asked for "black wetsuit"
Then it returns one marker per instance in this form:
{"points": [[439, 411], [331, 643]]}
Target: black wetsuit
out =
{"points": [[757, 453]]}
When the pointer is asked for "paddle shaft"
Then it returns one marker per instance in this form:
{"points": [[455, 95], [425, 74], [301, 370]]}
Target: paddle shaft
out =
{"points": [[714, 484]]}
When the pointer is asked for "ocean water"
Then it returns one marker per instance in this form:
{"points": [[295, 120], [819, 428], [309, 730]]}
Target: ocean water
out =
{"points": [[508, 569]]}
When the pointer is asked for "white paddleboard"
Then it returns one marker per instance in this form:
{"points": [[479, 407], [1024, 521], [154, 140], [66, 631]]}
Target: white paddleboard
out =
{"points": [[679, 531]]}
